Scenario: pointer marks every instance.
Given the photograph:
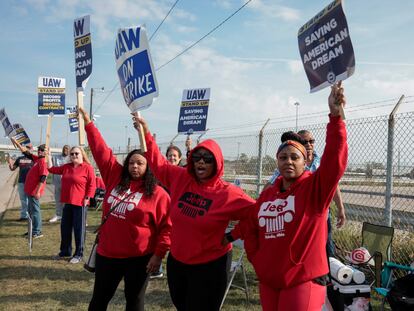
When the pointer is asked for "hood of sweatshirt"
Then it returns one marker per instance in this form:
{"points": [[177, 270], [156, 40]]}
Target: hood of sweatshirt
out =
{"points": [[215, 149]]}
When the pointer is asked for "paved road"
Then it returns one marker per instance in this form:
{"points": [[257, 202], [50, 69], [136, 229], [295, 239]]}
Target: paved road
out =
{"points": [[8, 193]]}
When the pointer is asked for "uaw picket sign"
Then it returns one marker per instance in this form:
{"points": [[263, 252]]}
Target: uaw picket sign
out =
{"points": [[326, 48], [4, 119], [20, 135], [194, 110], [83, 50], [72, 113], [51, 96], [135, 68]]}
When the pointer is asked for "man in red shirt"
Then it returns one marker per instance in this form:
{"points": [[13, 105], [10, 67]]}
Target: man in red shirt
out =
{"points": [[34, 187]]}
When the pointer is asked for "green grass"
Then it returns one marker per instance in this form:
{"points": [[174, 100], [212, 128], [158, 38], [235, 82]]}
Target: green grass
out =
{"points": [[33, 281]]}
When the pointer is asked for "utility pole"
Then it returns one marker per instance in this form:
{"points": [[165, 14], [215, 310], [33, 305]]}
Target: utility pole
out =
{"points": [[297, 112], [102, 89]]}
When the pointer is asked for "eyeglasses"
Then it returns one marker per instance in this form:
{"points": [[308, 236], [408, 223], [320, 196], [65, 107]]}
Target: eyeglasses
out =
{"points": [[310, 141], [207, 158], [74, 153]]}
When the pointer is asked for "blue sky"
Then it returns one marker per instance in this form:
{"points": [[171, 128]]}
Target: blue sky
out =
{"points": [[251, 63]]}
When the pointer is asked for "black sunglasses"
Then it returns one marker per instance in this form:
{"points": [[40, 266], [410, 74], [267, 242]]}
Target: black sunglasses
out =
{"points": [[74, 153], [310, 141], [207, 158]]}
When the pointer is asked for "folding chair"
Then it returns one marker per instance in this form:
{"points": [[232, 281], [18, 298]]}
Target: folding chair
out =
{"points": [[99, 196], [387, 280], [377, 238], [235, 266]]}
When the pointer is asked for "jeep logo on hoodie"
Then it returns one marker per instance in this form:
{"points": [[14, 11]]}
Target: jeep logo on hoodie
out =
{"points": [[274, 214], [192, 204]]}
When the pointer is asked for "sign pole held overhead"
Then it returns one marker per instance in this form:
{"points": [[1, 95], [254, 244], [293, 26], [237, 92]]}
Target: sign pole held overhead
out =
{"points": [[83, 64], [136, 72]]}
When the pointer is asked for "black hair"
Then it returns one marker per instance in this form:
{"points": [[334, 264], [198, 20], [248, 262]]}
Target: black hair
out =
{"points": [[292, 136], [173, 147], [41, 147], [149, 180]]}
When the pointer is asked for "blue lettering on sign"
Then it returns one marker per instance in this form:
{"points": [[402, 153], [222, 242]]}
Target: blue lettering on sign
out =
{"points": [[127, 41], [79, 27], [136, 77], [196, 94], [51, 82]]}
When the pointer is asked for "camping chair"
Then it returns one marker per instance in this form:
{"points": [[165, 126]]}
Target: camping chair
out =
{"points": [[388, 279], [235, 266], [377, 238], [99, 196]]}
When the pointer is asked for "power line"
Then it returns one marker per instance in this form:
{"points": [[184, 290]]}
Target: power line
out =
{"points": [[163, 20], [153, 34], [203, 37]]}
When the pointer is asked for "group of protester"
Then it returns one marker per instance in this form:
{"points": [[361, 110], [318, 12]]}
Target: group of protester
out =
{"points": [[153, 206], [74, 185]]}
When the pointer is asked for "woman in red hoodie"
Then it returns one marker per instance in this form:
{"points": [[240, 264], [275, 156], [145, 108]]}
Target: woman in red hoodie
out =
{"points": [[285, 235], [202, 205], [136, 235]]}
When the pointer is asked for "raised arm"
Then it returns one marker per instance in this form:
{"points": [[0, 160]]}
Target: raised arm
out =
{"points": [[102, 154], [335, 156], [162, 169]]}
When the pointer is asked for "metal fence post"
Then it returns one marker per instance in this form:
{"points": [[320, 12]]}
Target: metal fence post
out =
{"points": [[260, 160], [390, 155]]}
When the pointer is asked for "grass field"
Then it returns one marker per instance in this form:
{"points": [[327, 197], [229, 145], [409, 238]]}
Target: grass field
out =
{"points": [[34, 281]]}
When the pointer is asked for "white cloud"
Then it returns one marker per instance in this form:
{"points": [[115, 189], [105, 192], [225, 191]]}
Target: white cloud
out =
{"points": [[272, 10]]}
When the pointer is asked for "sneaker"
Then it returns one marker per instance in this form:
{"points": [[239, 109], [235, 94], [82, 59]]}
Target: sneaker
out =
{"points": [[75, 260], [37, 235], [156, 275], [58, 257], [22, 219], [26, 234], [55, 218]]}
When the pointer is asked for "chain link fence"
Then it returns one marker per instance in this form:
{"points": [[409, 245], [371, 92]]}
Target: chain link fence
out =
{"points": [[364, 185]]}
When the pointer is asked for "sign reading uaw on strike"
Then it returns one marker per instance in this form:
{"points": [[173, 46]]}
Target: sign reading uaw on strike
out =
{"points": [[51, 96], [135, 68], [326, 48], [83, 50], [193, 112]]}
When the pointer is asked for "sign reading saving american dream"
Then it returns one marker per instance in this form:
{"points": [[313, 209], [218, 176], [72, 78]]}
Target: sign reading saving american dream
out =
{"points": [[20, 134], [135, 68], [73, 119], [193, 112], [83, 50], [51, 96], [326, 48]]}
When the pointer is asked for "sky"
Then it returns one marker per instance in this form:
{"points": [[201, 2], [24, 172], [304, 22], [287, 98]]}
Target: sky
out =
{"points": [[251, 62]]}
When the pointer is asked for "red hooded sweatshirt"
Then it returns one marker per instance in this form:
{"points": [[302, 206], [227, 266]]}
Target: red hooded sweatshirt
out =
{"points": [[33, 177], [200, 212], [138, 226], [285, 235]]}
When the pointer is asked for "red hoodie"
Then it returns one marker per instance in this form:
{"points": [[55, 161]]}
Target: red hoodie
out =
{"points": [[138, 226], [200, 212], [286, 233]]}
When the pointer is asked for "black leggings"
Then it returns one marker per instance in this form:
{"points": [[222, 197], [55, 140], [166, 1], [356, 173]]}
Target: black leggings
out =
{"points": [[110, 271], [198, 287]]}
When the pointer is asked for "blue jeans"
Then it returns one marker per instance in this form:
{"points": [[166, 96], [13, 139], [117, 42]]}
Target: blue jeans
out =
{"points": [[73, 217], [330, 246], [35, 214], [24, 200]]}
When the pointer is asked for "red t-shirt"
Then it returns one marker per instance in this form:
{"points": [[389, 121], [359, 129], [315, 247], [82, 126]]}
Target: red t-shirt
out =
{"points": [[285, 235], [99, 183], [77, 182], [33, 176], [200, 212], [139, 226]]}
